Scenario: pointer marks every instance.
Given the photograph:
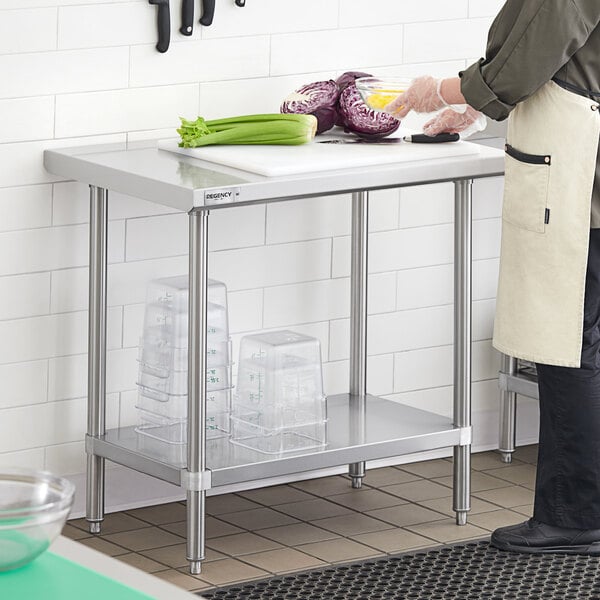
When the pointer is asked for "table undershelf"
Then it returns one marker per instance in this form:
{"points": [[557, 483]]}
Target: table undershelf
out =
{"points": [[387, 429]]}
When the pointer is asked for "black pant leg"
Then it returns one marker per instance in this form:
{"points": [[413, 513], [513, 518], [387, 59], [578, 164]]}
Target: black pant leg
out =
{"points": [[567, 490]]}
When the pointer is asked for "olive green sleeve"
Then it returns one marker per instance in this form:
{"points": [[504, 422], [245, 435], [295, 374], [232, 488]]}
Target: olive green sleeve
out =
{"points": [[527, 44]]}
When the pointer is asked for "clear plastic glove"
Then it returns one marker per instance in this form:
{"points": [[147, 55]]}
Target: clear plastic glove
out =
{"points": [[422, 96], [450, 121]]}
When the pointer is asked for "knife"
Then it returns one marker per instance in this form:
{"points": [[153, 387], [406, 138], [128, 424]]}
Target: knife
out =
{"points": [[361, 141], [436, 139], [163, 23], [208, 12], [187, 17], [415, 139]]}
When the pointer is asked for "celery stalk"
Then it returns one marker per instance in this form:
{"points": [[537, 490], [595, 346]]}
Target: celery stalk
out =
{"points": [[289, 129], [258, 119]]}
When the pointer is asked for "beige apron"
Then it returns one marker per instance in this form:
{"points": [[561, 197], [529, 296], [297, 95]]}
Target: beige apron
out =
{"points": [[552, 146]]}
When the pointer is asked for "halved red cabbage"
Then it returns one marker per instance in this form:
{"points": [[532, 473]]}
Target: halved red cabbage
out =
{"points": [[344, 80], [318, 99], [326, 117], [356, 117]]}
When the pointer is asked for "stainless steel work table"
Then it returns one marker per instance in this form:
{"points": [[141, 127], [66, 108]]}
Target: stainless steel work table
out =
{"points": [[361, 427]]}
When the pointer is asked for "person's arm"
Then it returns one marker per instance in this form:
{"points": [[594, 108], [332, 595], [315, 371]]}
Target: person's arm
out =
{"points": [[451, 92], [528, 43], [425, 95]]}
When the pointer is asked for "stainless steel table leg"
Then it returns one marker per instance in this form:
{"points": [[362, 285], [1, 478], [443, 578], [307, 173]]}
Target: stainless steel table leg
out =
{"points": [[96, 411], [462, 343], [508, 413], [196, 453], [358, 318]]}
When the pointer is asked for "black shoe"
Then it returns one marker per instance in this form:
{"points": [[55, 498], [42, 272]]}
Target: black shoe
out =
{"points": [[535, 537]]}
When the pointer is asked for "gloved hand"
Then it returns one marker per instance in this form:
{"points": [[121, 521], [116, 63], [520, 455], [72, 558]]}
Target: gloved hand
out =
{"points": [[449, 121], [422, 96]]}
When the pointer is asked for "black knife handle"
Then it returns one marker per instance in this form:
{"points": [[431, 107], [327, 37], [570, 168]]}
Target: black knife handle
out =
{"points": [[187, 17], [208, 12], [164, 24], [436, 139], [240, 3]]}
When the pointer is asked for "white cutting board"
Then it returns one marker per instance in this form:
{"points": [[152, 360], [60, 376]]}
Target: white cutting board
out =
{"points": [[316, 156]]}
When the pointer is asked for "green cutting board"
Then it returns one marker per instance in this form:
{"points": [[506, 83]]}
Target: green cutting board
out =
{"points": [[51, 577]]}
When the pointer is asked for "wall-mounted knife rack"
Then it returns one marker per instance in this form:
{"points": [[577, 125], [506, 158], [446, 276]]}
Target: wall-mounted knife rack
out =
{"points": [[187, 19]]}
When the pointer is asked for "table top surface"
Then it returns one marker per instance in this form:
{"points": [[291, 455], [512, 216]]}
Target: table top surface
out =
{"points": [[184, 183]]}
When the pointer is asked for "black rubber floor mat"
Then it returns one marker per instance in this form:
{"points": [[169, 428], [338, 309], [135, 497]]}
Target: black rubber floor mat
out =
{"points": [[472, 571]]}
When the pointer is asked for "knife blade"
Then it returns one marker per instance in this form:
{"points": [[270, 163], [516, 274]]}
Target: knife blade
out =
{"points": [[187, 17], [415, 139], [163, 24], [208, 12], [361, 141]]}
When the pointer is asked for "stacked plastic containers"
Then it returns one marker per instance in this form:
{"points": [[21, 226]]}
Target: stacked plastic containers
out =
{"points": [[163, 368], [279, 405]]}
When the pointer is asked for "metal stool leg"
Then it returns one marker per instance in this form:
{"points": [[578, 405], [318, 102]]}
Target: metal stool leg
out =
{"points": [[358, 317], [508, 413]]}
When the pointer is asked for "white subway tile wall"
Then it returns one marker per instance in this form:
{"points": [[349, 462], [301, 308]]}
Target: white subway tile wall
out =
{"points": [[77, 72], [41, 23]]}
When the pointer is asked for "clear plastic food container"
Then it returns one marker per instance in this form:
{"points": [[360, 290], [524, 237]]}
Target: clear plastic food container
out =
{"points": [[171, 453], [283, 415], [279, 393], [161, 359], [279, 374], [161, 323], [378, 92], [176, 407], [217, 378], [246, 431], [174, 431], [173, 293]]}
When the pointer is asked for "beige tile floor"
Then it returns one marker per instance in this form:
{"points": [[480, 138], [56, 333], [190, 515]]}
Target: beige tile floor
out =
{"points": [[310, 524]]}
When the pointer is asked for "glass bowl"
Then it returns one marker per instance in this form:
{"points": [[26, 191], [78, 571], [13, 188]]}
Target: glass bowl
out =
{"points": [[33, 510], [378, 92]]}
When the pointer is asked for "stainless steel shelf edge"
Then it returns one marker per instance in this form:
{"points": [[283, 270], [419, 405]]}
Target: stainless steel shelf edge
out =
{"points": [[116, 445], [391, 429], [520, 384], [180, 182], [334, 458], [66, 161]]}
